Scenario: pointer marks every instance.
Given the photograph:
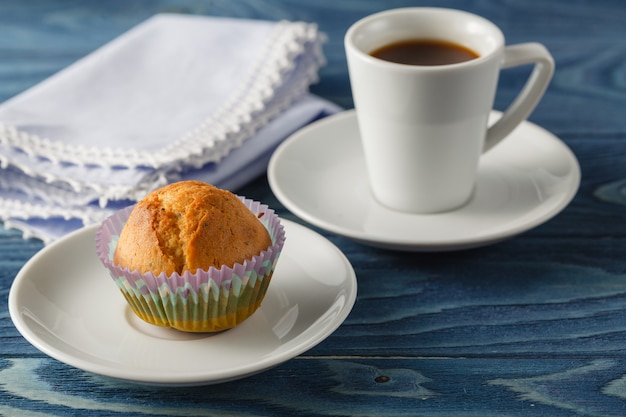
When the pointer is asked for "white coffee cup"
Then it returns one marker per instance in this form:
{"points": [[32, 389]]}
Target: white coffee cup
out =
{"points": [[424, 128]]}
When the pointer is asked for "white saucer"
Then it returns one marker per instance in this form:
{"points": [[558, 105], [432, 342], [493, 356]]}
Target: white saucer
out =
{"points": [[64, 303], [319, 175]]}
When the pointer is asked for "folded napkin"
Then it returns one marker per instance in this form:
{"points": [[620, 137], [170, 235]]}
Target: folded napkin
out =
{"points": [[176, 97]]}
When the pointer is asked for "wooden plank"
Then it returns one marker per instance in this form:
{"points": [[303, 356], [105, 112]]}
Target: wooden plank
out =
{"points": [[532, 326], [337, 386], [525, 296]]}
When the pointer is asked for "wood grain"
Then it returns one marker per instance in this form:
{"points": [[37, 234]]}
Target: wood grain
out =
{"points": [[535, 325]]}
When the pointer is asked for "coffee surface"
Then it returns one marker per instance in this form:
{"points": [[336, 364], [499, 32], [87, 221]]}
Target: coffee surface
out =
{"points": [[424, 52]]}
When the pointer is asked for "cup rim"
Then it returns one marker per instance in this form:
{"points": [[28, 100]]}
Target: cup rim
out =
{"points": [[353, 30]]}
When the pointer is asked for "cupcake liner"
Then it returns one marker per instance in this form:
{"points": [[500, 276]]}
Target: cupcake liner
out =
{"points": [[205, 301]]}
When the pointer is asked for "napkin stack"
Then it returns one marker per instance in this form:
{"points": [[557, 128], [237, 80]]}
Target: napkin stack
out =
{"points": [[176, 97]]}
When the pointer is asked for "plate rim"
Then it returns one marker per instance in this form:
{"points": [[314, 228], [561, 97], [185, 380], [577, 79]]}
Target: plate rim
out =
{"points": [[187, 379], [415, 245]]}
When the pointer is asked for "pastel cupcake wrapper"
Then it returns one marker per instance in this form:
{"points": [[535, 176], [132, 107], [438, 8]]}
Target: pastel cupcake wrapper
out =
{"points": [[205, 301]]}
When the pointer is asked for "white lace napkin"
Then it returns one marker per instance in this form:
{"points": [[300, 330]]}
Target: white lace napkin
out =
{"points": [[175, 97]]}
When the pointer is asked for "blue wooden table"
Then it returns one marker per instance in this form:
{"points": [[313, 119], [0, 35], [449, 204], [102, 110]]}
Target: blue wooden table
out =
{"points": [[535, 325]]}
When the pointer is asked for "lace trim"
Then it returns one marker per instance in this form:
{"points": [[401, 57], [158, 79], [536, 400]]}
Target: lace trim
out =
{"points": [[19, 175], [248, 109], [17, 214], [17, 209]]}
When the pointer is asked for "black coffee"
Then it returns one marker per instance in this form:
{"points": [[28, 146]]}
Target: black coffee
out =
{"points": [[424, 52]]}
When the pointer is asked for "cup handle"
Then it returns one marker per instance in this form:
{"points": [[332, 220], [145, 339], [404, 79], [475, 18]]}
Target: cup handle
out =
{"points": [[526, 101]]}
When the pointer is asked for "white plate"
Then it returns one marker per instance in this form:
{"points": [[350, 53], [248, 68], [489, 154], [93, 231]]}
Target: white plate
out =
{"points": [[64, 303], [319, 175]]}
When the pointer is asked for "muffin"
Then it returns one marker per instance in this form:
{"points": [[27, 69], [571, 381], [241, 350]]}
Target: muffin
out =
{"points": [[192, 256]]}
